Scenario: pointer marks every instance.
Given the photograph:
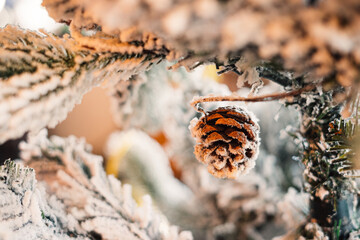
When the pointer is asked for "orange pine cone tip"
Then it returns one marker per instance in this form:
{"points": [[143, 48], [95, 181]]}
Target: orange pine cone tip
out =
{"points": [[227, 140]]}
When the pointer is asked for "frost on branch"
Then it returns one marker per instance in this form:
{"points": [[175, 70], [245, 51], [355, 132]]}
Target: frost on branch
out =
{"points": [[80, 198], [308, 36], [27, 210], [43, 76]]}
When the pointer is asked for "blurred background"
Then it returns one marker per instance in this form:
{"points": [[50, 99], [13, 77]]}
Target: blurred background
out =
{"points": [[157, 105]]}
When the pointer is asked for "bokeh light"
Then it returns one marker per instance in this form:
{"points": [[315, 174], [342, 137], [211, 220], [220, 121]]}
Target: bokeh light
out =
{"points": [[2, 4], [31, 15]]}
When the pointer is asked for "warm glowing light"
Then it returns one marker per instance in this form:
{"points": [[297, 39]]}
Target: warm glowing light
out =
{"points": [[2, 4], [31, 15]]}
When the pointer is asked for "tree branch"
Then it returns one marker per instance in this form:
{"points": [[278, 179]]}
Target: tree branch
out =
{"points": [[264, 98]]}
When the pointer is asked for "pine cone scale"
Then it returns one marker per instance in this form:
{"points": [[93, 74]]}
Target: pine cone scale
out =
{"points": [[219, 164], [224, 124], [237, 135], [214, 117], [239, 158], [236, 150], [228, 122], [215, 137], [222, 151], [206, 130], [240, 117], [234, 132]]}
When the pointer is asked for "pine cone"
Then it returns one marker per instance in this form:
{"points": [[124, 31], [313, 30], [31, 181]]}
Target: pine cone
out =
{"points": [[227, 141]]}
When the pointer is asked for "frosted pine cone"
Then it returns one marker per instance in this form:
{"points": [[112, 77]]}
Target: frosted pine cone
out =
{"points": [[227, 141]]}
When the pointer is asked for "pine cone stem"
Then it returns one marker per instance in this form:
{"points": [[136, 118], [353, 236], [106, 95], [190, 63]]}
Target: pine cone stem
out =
{"points": [[234, 98]]}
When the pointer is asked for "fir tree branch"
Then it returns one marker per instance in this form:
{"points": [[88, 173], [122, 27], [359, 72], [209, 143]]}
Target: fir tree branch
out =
{"points": [[324, 146], [275, 76], [305, 38], [80, 201], [42, 76]]}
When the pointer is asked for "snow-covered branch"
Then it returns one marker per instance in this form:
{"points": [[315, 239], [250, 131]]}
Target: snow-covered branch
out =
{"points": [[27, 210], [74, 198], [320, 37], [43, 76]]}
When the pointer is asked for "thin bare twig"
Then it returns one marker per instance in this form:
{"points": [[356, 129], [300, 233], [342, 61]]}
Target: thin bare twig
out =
{"points": [[233, 98]]}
